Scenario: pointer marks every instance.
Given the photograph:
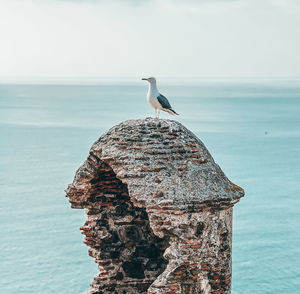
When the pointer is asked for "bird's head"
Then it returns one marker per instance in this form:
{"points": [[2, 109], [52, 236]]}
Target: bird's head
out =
{"points": [[151, 80]]}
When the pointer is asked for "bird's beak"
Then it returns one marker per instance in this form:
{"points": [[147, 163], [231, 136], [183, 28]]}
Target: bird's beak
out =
{"points": [[144, 79]]}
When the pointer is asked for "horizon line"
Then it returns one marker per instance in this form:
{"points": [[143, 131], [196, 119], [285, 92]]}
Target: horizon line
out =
{"points": [[131, 79]]}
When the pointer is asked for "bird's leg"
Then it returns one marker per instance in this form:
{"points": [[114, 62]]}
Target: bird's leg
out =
{"points": [[158, 113], [155, 112]]}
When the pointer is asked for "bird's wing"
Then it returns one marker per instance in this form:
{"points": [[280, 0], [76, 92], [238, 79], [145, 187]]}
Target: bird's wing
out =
{"points": [[164, 102]]}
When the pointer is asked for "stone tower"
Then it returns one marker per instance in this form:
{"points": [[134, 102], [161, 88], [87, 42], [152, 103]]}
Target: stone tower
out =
{"points": [[159, 211]]}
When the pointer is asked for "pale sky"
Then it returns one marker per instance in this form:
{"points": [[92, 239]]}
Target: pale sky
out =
{"points": [[167, 38]]}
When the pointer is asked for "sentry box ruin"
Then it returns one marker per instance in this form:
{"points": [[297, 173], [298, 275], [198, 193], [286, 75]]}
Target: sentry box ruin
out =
{"points": [[159, 211]]}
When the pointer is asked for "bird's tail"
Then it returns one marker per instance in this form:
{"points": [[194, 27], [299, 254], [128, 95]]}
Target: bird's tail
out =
{"points": [[171, 111], [174, 112]]}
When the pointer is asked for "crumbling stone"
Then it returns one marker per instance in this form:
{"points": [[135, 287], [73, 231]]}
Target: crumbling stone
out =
{"points": [[159, 211]]}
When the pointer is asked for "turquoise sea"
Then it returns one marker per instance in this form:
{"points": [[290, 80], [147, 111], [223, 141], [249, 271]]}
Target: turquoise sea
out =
{"points": [[252, 129]]}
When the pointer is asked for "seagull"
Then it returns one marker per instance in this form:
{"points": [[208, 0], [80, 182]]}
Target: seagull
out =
{"points": [[157, 100]]}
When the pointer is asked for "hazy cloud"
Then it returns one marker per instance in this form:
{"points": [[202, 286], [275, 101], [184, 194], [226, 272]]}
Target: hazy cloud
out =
{"points": [[223, 38]]}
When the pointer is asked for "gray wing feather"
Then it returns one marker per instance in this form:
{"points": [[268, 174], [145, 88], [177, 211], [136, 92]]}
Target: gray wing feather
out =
{"points": [[164, 102]]}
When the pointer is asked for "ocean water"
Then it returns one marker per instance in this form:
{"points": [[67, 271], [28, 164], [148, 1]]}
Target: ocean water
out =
{"points": [[252, 129]]}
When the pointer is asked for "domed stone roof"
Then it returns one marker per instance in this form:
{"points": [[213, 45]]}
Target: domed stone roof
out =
{"points": [[158, 160]]}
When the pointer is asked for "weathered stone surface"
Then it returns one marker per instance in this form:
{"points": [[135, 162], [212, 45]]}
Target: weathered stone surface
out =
{"points": [[159, 211]]}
